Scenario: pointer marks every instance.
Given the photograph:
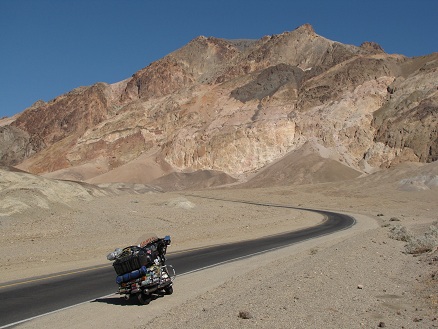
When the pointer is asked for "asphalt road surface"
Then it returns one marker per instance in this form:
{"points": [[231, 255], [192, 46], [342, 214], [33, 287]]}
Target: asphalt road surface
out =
{"points": [[23, 300]]}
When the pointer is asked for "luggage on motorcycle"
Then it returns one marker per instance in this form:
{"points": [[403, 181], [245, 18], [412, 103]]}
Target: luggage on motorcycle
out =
{"points": [[130, 260], [141, 269], [146, 239], [132, 275], [133, 258]]}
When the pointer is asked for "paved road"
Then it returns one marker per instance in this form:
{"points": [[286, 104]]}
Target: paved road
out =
{"points": [[32, 297]]}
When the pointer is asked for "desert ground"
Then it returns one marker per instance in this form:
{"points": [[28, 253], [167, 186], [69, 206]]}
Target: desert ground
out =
{"points": [[362, 277]]}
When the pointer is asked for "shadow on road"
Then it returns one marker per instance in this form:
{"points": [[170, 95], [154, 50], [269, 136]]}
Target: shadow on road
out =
{"points": [[121, 301]]}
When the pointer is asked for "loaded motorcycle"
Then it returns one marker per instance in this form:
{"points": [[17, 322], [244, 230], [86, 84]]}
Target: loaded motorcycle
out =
{"points": [[141, 269]]}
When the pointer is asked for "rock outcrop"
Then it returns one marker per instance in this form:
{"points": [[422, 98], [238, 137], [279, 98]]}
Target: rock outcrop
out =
{"points": [[237, 106], [408, 120]]}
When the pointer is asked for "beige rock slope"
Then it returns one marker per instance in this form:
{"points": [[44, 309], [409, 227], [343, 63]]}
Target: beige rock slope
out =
{"points": [[236, 106]]}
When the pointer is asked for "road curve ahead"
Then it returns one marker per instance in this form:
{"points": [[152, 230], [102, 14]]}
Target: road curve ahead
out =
{"points": [[30, 298]]}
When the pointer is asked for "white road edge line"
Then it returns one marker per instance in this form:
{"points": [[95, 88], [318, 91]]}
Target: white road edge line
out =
{"points": [[89, 301], [52, 312]]}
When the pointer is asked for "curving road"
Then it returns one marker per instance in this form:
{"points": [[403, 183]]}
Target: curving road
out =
{"points": [[33, 297]]}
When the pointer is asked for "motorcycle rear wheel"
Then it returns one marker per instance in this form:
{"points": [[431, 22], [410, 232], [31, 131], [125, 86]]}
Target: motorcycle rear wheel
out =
{"points": [[168, 290], [144, 299]]}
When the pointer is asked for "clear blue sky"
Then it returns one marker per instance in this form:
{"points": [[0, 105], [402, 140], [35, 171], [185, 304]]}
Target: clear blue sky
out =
{"points": [[49, 47]]}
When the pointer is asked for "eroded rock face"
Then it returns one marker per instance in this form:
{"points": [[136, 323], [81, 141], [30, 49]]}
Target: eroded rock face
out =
{"points": [[15, 145], [238, 105], [72, 113], [54, 126], [408, 120]]}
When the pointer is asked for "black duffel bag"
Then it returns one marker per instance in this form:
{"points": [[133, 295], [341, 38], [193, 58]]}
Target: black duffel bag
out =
{"points": [[131, 259]]}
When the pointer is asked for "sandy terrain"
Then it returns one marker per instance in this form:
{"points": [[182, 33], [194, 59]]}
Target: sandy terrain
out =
{"points": [[352, 279]]}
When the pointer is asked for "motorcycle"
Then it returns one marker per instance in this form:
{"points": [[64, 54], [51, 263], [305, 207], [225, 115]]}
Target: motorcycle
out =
{"points": [[141, 269]]}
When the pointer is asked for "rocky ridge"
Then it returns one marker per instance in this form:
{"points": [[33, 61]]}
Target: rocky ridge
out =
{"points": [[237, 106]]}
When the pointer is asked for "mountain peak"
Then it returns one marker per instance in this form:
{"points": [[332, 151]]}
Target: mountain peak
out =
{"points": [[306, 28], [372, 46]]}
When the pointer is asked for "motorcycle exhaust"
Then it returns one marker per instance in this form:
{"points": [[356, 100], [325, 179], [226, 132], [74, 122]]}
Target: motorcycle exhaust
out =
{"points": [[150, 290]]}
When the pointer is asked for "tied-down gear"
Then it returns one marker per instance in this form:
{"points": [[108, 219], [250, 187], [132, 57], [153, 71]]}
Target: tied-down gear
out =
{"points": [[141, 269]]}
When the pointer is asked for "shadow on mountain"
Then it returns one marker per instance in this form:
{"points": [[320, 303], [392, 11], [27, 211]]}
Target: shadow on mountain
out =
{"points": [[303, 166], [200, 179]]}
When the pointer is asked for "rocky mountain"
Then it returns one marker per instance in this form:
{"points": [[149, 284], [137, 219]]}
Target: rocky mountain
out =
{"points": [[235, 107]]}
